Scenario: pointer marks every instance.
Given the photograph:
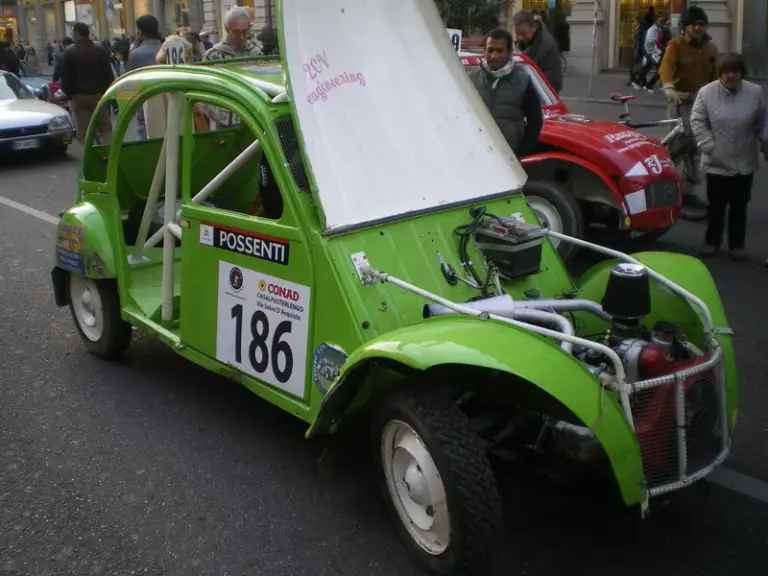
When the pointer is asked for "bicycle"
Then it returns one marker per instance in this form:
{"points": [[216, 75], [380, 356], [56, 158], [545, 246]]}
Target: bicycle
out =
{"points": [[680, 146]]}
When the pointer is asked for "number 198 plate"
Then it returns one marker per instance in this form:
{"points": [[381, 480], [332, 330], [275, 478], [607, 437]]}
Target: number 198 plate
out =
{"points": [[262, 327]]}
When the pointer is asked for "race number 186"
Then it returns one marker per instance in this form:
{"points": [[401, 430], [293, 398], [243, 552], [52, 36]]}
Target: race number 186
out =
{"points": [[262, 327]]}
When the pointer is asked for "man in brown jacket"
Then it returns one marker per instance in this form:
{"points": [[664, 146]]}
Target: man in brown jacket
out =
{"points": [[86, 74], [689, 63]]}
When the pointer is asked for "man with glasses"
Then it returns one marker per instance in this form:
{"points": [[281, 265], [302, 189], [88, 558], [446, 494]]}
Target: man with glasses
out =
{"points": [[237, 23], [689, 63]]}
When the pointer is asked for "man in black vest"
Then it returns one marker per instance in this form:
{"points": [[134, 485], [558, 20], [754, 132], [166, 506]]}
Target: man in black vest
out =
{"points": [[511, 97]]}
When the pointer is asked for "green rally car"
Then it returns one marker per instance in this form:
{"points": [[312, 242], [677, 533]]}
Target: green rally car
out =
{"points": [[311, 229]]}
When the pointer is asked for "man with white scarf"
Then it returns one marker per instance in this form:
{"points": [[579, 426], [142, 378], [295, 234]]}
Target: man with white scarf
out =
{"points": [[510, 95]]}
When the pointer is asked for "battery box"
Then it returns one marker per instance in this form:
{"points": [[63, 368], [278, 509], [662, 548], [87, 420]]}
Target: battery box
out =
{"points": [[513, 245]]}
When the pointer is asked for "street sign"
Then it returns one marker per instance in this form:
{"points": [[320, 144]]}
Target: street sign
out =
{"points": [[455, 36]]}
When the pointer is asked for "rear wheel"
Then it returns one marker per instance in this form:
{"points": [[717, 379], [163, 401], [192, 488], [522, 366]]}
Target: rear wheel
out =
{"points": [[95, 307], [558, 211], [438, 482]]}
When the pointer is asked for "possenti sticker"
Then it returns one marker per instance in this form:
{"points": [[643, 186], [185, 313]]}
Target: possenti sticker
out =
{"points": [[241, 242]]}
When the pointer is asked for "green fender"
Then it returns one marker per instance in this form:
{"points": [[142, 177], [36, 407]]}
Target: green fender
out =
{"points": [[83, 243], [689, 273], [496, 346]]}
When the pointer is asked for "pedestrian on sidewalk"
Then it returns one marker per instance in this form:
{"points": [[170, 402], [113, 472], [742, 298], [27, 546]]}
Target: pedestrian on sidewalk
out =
{"points": [[537, 41], [66, 43], [85, 75], [509, 94], [147, 45], [9, 61], [49, 52], [639, 53], [730, 125], [654, 50], [689, 64]]}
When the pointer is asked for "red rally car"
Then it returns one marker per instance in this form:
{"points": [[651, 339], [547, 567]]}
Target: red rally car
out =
{"points": [[595, 175]]}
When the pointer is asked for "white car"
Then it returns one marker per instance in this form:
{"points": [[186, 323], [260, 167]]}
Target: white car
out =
{"points": [[27, 123]]}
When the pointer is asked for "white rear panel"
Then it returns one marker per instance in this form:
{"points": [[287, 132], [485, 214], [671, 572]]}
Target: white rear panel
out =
{"points": [[390, 122]]}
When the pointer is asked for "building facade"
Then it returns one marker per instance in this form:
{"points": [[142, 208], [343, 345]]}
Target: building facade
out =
{"points": [[41, 21], [616, 20]]}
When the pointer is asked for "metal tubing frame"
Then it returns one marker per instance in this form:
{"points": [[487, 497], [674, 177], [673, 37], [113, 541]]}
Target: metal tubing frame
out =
{"points": [[172, 137], [203, 195], [151, 205]]}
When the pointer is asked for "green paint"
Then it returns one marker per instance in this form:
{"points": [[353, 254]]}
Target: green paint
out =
{"points": [[370, 323]]}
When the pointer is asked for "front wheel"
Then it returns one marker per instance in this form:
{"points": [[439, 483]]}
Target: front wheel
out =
{"points": [[95, 307], [438, 482], [558, 211]]}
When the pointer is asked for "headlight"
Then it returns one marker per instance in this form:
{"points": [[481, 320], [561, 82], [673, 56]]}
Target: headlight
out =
{"points": [[59, 123]]}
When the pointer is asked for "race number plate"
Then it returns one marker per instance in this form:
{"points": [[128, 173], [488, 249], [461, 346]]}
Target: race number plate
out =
{"points": [[174, 50], [262, 327], [26, 144]]}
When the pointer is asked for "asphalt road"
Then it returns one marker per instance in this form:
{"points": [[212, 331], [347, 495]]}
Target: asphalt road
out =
{"points": [[153, 466]]}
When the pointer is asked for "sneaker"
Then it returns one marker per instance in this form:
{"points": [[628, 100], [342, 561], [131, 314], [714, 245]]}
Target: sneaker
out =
{"points": [[708, 250], [738, 254], [636, 86], [650, 91]]}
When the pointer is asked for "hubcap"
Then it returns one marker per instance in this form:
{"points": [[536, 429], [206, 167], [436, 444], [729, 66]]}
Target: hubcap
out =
{"points": [[87, 306], [549, 216], [415, 487]]}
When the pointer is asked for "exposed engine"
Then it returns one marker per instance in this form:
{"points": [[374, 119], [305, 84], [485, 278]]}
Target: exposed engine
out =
{"points": [[652, 360]]}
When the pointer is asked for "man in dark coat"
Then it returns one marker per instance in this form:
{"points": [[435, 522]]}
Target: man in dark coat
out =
{"points": [[86, 74], [537, 41], [509, 93], [9, 61]]}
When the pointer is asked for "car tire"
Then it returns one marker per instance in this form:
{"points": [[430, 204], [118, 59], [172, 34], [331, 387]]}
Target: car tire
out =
{"points": [[450, 517], [95, 308], [62, 148], [558, 210]]}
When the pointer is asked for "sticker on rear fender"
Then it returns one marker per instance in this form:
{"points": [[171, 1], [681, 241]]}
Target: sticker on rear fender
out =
{"points": [[274, 250], [69, 246]]}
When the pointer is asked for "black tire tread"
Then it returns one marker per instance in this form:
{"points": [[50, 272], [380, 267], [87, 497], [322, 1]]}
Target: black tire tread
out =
{"points": [[468, 474]]}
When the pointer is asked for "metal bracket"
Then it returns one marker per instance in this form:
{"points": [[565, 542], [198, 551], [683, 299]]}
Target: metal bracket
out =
{"points": [[728, 331], [363, 268]]}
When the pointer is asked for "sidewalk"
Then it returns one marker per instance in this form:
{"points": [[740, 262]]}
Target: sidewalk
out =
{"points": [[576, 89]]}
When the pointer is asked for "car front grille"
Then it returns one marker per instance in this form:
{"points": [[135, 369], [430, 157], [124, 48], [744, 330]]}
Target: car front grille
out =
{"points": [[21, 132], [681, 425], [662, 194]]}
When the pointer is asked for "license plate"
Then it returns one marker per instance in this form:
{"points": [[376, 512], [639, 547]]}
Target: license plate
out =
{"points": [[26, 144]]}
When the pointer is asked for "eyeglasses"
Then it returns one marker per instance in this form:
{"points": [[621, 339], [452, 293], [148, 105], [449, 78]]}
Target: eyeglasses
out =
{"points": [[698, 24], [239, 32]]}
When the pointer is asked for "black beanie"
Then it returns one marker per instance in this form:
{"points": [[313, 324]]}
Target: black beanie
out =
{"points": [[695, 14]]}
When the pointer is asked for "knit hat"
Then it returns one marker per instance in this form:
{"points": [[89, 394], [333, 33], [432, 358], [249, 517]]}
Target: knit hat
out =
{"points": [[695, 14]]}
